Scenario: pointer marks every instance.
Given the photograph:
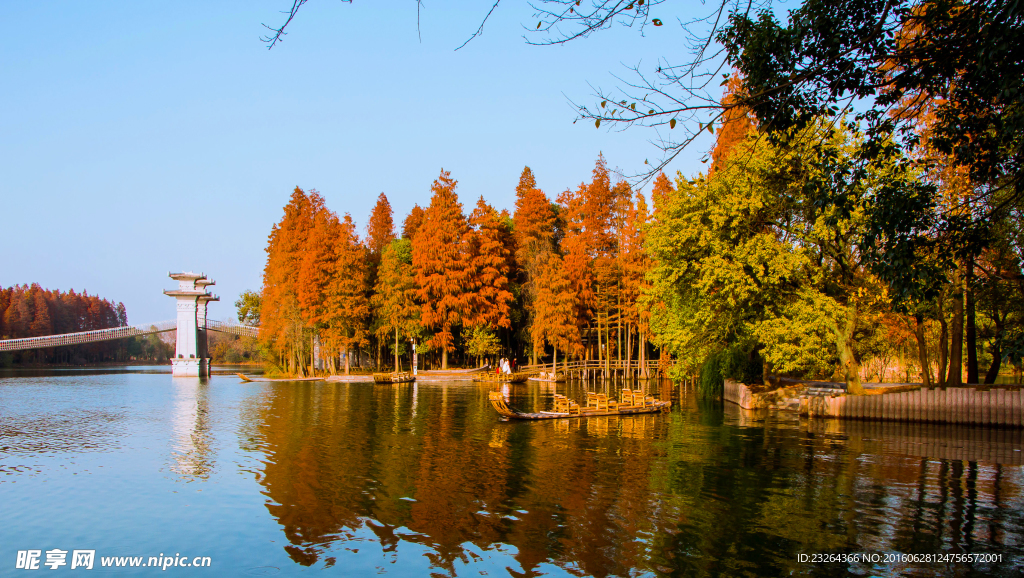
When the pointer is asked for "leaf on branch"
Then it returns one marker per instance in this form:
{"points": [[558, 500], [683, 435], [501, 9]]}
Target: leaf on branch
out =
{"points": [[672, 123], [650, 111], [711, 128], [539, 23], [604, 103], [656, 22], [597, 123], [633, 106]]}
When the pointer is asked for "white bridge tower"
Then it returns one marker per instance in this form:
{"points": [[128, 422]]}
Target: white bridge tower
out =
{"points": [[191, 352]]}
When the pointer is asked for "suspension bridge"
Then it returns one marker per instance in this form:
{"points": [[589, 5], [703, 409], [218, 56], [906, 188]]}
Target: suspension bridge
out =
{"points": [[191, 353]]}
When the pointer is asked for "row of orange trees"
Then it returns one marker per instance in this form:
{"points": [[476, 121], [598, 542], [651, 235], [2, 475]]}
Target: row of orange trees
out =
{"points": [[32, 311], [558, 278]]}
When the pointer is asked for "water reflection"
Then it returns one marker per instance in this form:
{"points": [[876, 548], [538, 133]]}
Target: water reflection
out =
{"points": [[191, 453], [699, 491]]}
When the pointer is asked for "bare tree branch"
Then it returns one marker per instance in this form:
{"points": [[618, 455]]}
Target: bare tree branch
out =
{"points": [[480, 30]]}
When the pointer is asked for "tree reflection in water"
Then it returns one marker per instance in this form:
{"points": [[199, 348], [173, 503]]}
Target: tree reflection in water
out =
{"points": [[700, 491]]}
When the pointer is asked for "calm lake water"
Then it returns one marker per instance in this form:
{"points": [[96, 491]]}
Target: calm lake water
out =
{"points": [[414, 480]]}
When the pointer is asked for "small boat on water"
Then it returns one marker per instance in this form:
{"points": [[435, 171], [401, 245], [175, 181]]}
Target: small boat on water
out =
{"points": [[548, 377], [394, 377], [247, 378], [631, 402], [517, 377]]}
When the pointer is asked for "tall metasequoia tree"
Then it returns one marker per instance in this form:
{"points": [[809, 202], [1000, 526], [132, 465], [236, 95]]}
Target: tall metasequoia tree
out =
{"points": [[736, 123], [347, 301], [282, 323], [380, 231], [489, 261], [554, 320], [534, 221], [443, 272], [412, 222], [578, 263], [662, 193], [590, 245], [394, 299], [636, 264], [316, 266]]}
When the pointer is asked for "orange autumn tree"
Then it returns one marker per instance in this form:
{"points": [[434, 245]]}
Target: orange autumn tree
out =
{"points": [[347, 303], [534, 221], [282, 328], [737, 122], [578, 264], [380, 232], [554, 316], [412, 222], [662, 193], [444, 274], [489, 259], [636, 263], [316, 268]]}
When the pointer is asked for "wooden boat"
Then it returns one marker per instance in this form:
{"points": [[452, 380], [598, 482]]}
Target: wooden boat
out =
{"points": [[632, 402], [394, 377], [517, 377], [250, 379], [548, 377]]}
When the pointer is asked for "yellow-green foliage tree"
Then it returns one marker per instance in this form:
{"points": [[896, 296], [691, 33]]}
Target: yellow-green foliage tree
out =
{"points": [[751, 258], [394, 298]]}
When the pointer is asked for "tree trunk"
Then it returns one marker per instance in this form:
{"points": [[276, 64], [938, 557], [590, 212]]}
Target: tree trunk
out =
{"points": [[971, 330], [997, 352], [554, 360], [943, 341], [629, 347], [847, 355], [922, 351], [396, 349], [444, 358], [956, 348], [348, 356]]}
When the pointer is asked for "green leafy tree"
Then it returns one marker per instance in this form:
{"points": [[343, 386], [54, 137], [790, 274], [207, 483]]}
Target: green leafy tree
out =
{"points": [[394, 299], [751, 257]]}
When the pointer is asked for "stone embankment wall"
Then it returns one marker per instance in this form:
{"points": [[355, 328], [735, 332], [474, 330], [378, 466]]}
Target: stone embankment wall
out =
{"points": [[1002, 406]]}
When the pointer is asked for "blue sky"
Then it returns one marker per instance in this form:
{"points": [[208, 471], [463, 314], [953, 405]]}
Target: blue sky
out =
{"points": [[147, 137]]}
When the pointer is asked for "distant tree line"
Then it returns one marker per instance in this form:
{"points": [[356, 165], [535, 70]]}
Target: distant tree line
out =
{"points": [[31, 311]]}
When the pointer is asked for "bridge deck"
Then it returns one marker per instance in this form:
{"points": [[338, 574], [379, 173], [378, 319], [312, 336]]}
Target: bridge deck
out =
{"points": [[111, 333]]}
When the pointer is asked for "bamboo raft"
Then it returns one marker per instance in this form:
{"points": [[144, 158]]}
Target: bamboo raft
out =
{"points": [[631, 403], [517, 377], [394, 377]]}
